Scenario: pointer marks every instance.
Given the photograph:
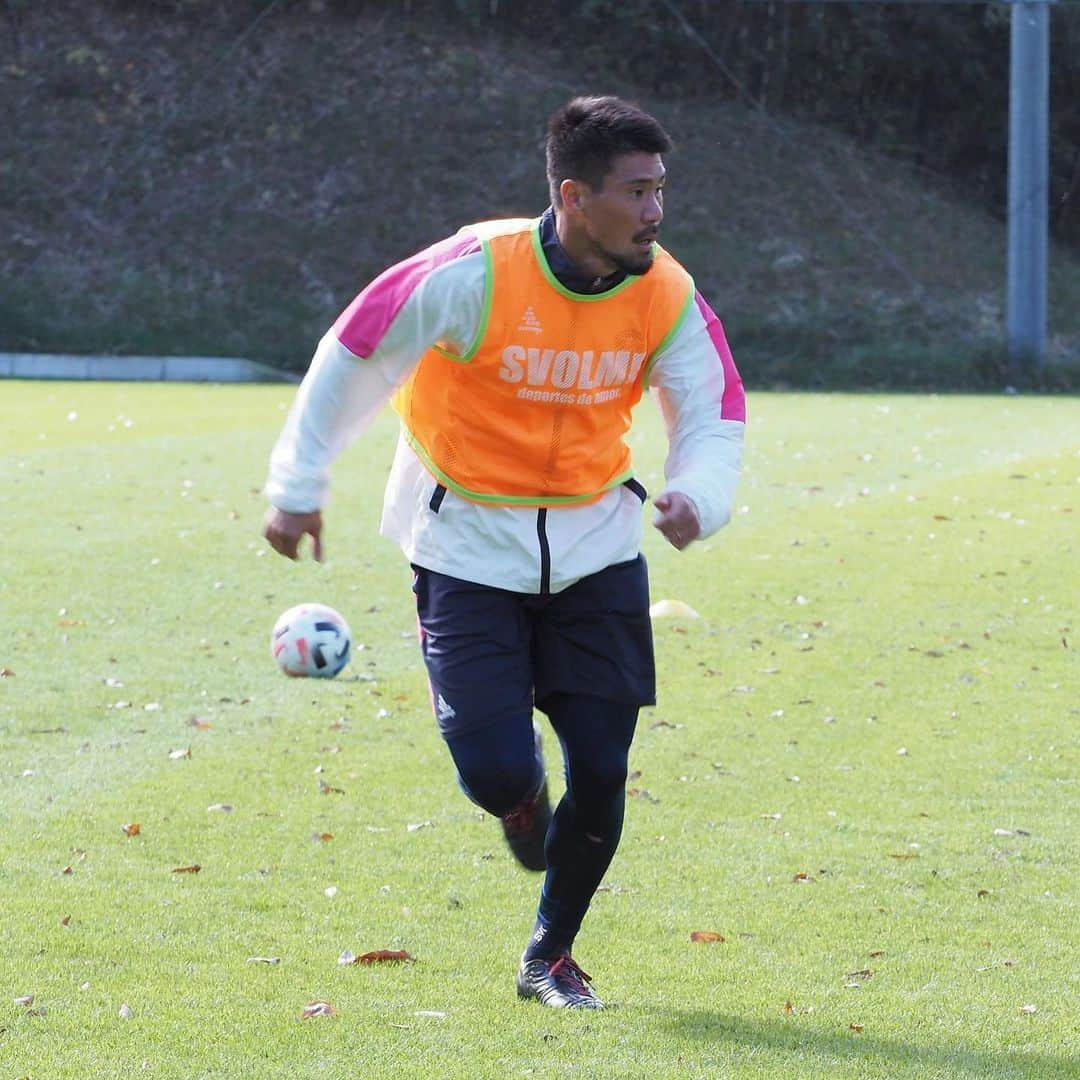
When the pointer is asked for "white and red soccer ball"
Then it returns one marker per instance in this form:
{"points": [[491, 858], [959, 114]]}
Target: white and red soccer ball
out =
{"points": [[311, 640]]}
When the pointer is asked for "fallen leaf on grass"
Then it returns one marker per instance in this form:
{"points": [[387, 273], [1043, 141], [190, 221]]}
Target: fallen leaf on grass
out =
{"points": [[990, 967], [1028, 1010], [789, 1007], [6, 673], [26, 1000], [865, 973], [264, 959], [67, 871], [326, 789], [126, 1012], [66, 920], [386, 956], [198, 722], [324, 837], [377, 956], [857, 1028], [803, 878], [317, 1008], [132, 828], [903, 855], [706, 935], [194, 868], [876, 953], [177, 755]]}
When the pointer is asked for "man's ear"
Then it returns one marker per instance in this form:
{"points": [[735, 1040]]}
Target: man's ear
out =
{"points": [[574, 194]]}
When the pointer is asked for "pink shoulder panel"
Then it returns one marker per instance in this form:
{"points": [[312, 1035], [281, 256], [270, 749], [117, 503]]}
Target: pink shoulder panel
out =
{"points": [[733, 404], [362, 325]]}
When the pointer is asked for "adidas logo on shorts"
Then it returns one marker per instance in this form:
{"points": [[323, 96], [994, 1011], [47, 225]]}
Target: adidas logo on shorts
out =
{"points": [[443, 709]]}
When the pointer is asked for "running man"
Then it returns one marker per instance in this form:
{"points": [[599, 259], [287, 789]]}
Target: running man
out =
{"points": [[513, 352]]}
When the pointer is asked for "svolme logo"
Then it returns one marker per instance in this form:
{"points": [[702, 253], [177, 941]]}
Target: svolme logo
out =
{"points": [[565, 376], [566, 368]]}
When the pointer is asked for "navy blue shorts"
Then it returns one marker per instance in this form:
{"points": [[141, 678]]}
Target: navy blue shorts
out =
{"points": [[492, 654]]}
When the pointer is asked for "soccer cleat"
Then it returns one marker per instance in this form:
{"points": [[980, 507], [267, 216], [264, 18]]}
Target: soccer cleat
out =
{"points": [[526, 826], [559, 984]]}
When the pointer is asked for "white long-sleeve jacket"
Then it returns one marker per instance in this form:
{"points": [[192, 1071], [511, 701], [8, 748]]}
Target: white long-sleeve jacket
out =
{"points": [[437, 297]]}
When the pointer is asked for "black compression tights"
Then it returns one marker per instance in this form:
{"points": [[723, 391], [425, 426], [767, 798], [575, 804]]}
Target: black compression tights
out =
{"points": [[498, 769]]}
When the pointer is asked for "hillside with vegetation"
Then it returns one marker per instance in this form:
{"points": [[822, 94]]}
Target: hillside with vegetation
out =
{"points": [[191, 178]]}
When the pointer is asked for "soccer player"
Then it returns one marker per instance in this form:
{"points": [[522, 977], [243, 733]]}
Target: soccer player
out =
{"points": [[513, 353]]}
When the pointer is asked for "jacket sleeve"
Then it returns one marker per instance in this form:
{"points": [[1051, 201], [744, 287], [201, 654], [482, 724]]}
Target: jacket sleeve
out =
{"points": [[700, 395], [435, 297]]}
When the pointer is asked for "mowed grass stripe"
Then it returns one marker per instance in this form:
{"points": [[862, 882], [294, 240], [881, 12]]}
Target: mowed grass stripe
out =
{"points": [[770, 802]]}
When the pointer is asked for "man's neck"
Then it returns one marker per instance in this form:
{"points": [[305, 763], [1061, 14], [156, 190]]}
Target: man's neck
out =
{"points": [[575, 274], [580, 251]]}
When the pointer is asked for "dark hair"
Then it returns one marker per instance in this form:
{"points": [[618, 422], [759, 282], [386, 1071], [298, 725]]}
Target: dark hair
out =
{"points": [[586, 135]]}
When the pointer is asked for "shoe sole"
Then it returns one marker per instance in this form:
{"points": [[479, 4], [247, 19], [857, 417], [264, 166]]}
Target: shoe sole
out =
{"points": [[527, 993]]}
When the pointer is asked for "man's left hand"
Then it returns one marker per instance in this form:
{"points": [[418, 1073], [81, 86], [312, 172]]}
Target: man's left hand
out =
{"points": [[677, 518]]}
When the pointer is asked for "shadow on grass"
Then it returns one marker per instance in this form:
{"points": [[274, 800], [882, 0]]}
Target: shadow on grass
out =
{"points": [[818, 1051]]}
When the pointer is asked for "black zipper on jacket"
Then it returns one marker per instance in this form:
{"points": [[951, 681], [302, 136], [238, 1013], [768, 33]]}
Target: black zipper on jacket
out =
{"points": [[545, 550]]}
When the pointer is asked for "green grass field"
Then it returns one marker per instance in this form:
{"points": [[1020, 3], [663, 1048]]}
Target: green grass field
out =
{"points": [[863, 770]]}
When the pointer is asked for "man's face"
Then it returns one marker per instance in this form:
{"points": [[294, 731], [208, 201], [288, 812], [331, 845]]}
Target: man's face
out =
{"points": [[622, 218]]}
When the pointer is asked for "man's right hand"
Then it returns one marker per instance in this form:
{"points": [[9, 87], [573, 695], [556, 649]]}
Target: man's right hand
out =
{"points": [[284, 531]]}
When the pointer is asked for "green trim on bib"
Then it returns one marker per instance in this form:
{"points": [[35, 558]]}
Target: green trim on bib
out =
{"points": [[485, 312], [505, 500], [669, 335], [553, 281]]}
